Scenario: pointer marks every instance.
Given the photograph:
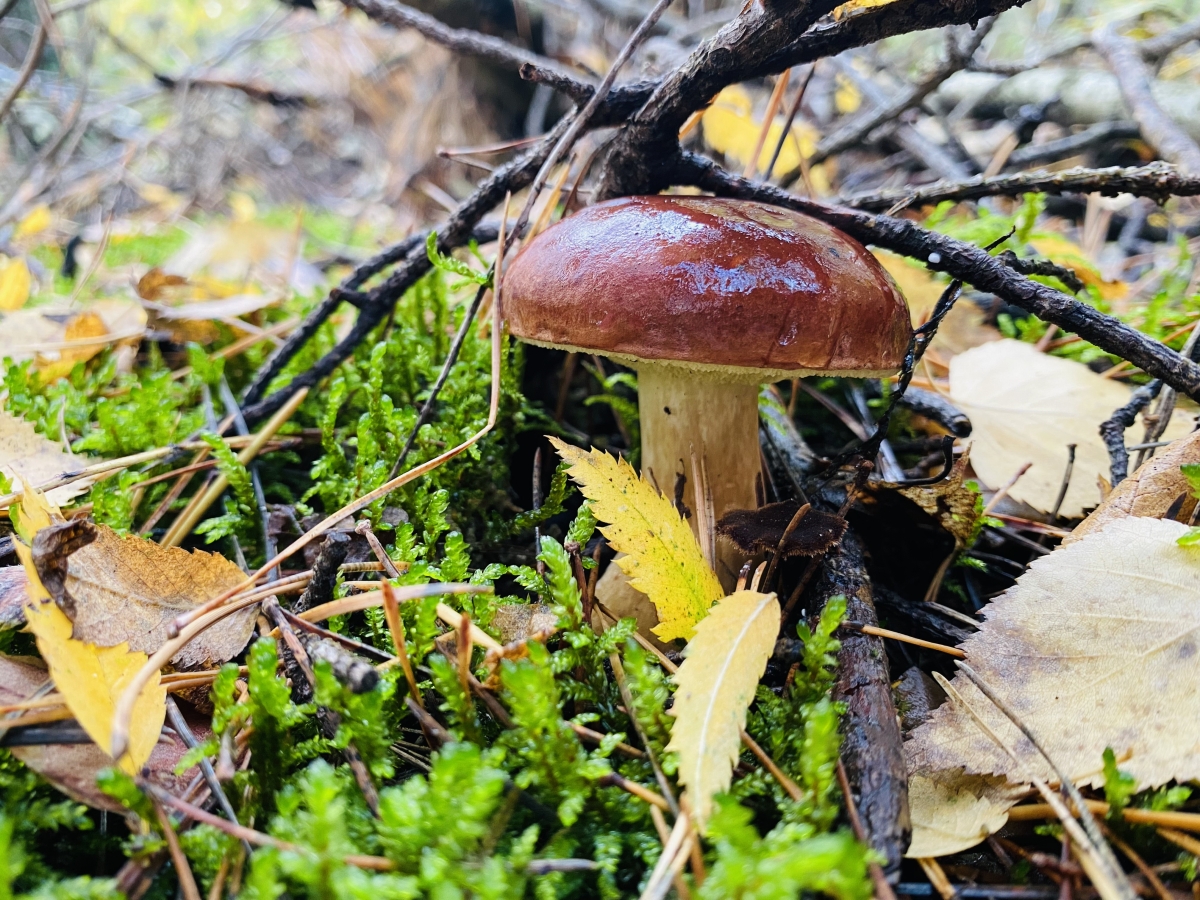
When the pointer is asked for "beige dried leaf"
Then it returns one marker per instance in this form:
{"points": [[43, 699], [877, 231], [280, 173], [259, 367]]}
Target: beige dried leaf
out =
{"points": [[130, 589], [37, 459], [1150, 492], [716, 684], [952, 812], [1026, 407], [1095, 647]]}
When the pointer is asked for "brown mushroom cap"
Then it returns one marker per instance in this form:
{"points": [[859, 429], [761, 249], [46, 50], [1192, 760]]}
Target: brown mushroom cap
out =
{"points": [[750, 290]]}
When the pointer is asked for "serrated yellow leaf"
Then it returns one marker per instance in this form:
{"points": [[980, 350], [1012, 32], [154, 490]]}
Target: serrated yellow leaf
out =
{"points": [[37, 221], [15, 284], [90, 678], [716, 684], [662, 558]]}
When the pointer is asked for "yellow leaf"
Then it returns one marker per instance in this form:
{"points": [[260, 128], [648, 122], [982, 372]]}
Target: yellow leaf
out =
{"points": [[662, 559], [90, 678], [855, 6], [716, 684], [87, 330], [243, 206], [15, 284], [731, 129], [846, 97], [37, 221]]}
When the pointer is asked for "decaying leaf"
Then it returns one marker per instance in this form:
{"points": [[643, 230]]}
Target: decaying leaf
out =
{"points": [[127, 589], [73, 767], [963, 327], [1027, 406], [57, 337], [1095, 646], [662, 559], [36, 459], [760, 530], [90, 678], [1154, 490], [156, 283], [716, 684], [952, 812], [956, 507], [13, 596]]}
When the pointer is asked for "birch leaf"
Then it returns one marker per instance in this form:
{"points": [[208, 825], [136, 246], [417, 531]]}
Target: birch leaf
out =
{"points": [[1094, 647], [90, 678], [1026, 407], [716, 684], [662, 558], [15, 284], [1155, 489]]}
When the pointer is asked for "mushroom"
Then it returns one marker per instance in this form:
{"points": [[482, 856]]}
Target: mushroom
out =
{"points": [[707, 299]]}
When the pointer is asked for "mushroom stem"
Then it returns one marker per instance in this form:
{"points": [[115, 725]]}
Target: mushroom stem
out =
{"points": [[683, 409]]}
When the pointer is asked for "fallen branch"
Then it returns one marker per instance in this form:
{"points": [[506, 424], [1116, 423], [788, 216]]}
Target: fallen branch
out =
{"points": [[1158, 181]]}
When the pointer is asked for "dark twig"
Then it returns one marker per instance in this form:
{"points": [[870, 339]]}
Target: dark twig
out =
{"points": [[1159, 129], [1052, 151], [972, 265], [27, 69], [325, 570], [1157, 181], [462, 40], [179, 723], [1112, 429]]}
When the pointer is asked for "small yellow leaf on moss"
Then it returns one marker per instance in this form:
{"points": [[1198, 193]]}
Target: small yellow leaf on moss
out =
{"points": [[90, 678], [35, 222], [716, 684], [15, 284], [662, 558]]}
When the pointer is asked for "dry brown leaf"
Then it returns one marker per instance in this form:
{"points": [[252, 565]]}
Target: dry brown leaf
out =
{"points": [[156, 284], [952, 812], [36, 459], [1027, 406], [1150, 492], [58, 337], [716, 684], [1095, 647], [954, 505], [72, 768], [963, 327], [119, 589]]}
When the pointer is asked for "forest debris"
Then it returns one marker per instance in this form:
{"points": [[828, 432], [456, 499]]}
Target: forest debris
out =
{"points": [[662, 558], [355, 673], [57, 337], [953, 811], [36, 459], [1094, 647], [761, 530], [1027, 406], [90, 678], [956, 507], [72, 767], [716, 684], [118, 589], [1154, 490]]}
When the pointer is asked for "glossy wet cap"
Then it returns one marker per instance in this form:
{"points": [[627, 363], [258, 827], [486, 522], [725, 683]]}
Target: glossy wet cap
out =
{"points": [[751, 290]]}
